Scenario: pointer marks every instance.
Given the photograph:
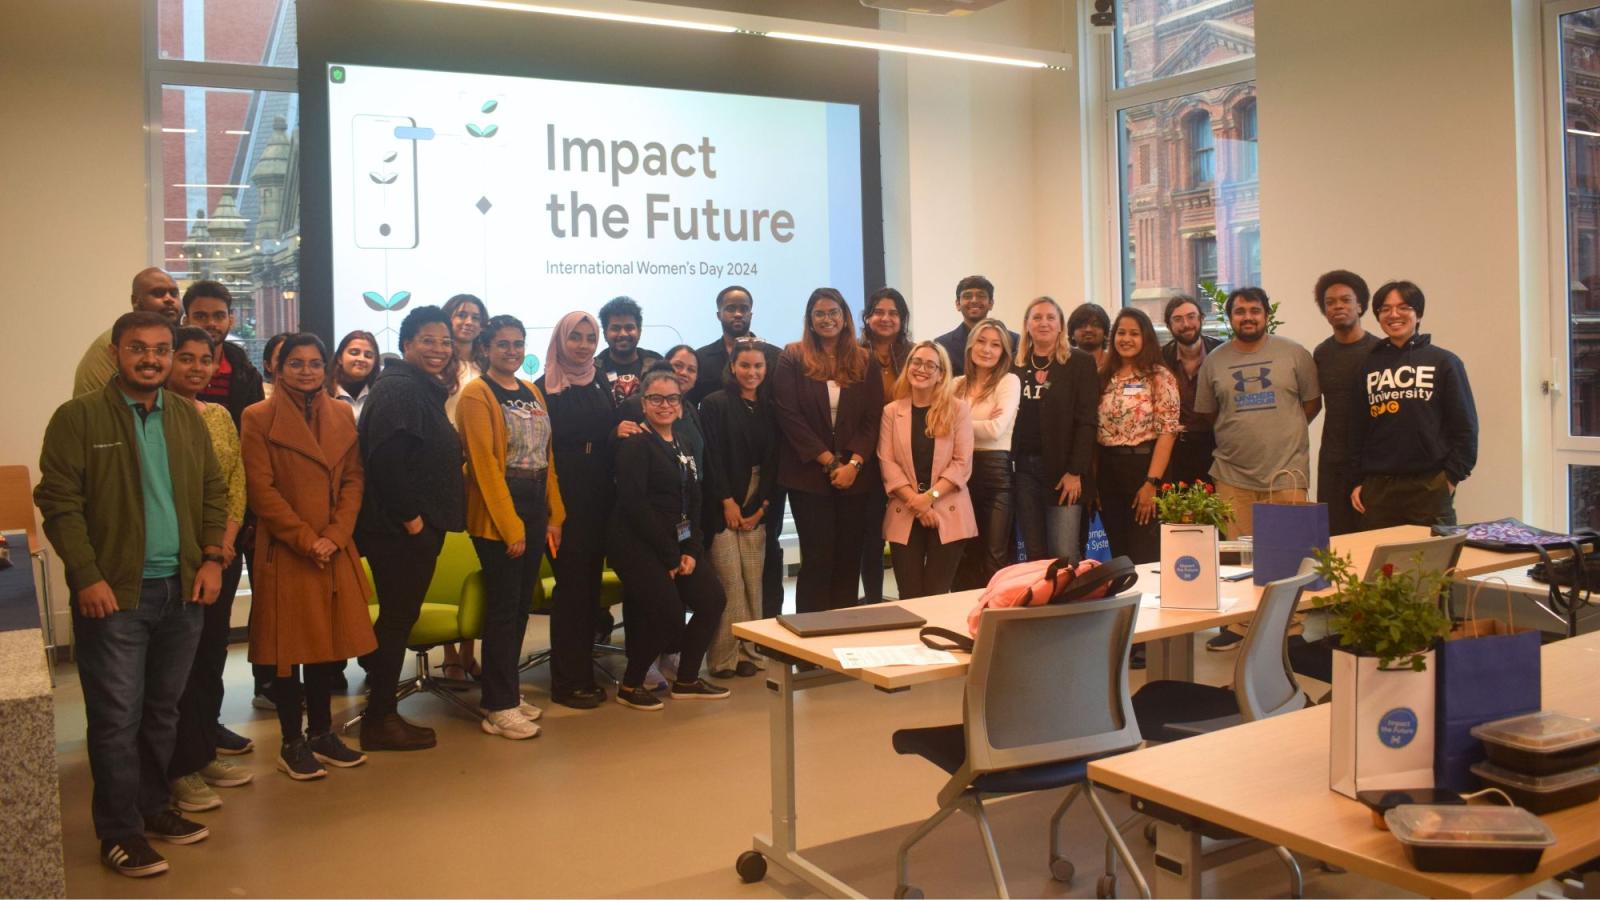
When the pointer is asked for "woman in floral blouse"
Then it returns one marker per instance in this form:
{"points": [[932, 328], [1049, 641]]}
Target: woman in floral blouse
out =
{"points": [[1138, 426]]}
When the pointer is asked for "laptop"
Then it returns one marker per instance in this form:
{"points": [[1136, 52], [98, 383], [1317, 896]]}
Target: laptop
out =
{"points": [[851, 620]]}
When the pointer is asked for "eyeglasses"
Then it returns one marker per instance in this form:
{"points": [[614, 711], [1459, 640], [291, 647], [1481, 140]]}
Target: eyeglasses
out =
{"points": [[1403, 309], [159, 351], [296, 365], [924, 365], [435, 343], [663, 399], [827, 314]]}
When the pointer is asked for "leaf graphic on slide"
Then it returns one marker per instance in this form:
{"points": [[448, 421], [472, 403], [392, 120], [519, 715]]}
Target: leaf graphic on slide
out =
{"points": [[490, 106], [474, 130], [390, 179], [490, 131], [399, 300], [377, 177], [530, 363], [393, 154], [374, 300]]}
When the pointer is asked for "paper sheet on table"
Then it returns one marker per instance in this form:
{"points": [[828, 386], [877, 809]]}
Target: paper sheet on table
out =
{"points": [[891, 655], [1232, 571], [1153, 601]]}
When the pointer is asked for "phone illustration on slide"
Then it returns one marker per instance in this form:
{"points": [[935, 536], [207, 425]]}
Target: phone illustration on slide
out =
{"points": [[385, 178]]}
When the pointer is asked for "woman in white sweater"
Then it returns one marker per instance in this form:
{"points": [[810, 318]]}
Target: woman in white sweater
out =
{"points": [[993, 391]]}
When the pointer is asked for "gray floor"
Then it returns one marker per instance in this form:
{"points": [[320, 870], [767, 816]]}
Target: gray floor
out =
{"points": [[610, 802]]}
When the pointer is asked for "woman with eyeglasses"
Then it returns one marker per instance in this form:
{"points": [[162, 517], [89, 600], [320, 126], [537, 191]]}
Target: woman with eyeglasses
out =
{"points": [[656, 546], [741, 476], [886, 335], [684, 364], [308, 606], [584, 428], [354, 369], [514, 511], [994, 392], [1052, 442], [829, 397], [925, 451]]}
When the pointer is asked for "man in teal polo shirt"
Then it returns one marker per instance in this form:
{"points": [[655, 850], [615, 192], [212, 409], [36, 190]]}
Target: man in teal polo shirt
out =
{"points": [[135, 505]]}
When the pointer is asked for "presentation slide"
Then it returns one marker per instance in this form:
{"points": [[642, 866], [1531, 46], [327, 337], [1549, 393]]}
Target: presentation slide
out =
{"points": [[545, 196]]}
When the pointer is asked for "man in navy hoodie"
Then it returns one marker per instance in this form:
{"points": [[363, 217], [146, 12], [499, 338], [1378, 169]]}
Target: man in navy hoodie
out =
{"points": [[1417, 437]]}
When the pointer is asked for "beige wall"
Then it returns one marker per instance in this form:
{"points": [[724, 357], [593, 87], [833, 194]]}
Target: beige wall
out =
{"points": [[72, 199], [1389, 146]]}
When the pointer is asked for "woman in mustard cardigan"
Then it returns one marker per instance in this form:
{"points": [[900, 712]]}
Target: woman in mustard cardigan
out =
{"points": [[514, 510]]}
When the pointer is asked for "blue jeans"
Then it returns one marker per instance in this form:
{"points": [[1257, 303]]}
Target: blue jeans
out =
{"points": [[508, 586], [133, 665]]}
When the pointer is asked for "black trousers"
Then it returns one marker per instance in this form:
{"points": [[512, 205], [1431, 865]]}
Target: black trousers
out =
{"points": [[1121, 477], [772, 569], [577, 568], [990, 488], [653, 605], [508, 591], [831, 527], [201, 703], [402, 566], [924, 566], [316, 692], [1191, 457], [1333, 488], [872, 549], [1422, 498]]}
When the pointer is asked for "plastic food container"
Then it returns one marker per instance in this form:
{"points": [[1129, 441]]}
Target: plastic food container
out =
{"points": [[1542, 794], [1494, 839], [1541, 743]]}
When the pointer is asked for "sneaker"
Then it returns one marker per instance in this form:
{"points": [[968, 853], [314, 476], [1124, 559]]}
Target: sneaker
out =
{"points": [[528, 710], [582, 698], [1136, 658], [746, 669], [327, 748], [653, 679], [132, 857], [698, 689], [221, 773], [509, 724], [1226, 639], [173, 828], [262, 701], [296, 761], [232, 743], [639, 698], [390, 732], [191, 794]]}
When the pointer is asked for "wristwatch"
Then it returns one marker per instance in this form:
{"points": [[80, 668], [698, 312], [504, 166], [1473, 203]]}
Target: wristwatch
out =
{"points": [[856, 463], [934, 493], [1154, 482], [212, 557]]}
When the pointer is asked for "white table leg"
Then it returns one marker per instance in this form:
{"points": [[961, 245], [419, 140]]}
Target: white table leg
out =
{"points": [[1178, 862], [1170, 659]]}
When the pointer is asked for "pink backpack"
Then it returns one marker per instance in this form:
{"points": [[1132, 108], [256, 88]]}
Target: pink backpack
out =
{"points": [[1037, 583]]}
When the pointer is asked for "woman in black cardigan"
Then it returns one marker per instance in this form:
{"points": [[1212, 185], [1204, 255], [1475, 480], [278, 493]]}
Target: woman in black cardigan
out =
{"points": [[741, 434], [1053, 439], [655, 544], [829, 397]]}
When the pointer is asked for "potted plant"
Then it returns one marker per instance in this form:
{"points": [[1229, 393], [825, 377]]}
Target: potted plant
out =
{"points": [[1190, 515], [1383, 686]]}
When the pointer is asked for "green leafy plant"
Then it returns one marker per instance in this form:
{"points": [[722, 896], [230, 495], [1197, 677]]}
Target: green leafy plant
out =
{"points": [[1395, 617], [1219, 301], [1192, 504]]}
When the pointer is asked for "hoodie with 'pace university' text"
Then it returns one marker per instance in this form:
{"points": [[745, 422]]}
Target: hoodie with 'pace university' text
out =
{"points": [[1417, 413]]}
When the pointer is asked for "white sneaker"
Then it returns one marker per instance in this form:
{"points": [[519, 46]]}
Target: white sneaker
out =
{"points": [[508, 723], [528, 710]]}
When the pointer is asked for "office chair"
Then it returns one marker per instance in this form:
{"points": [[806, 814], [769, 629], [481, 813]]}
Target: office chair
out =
{"points": [[1046, 693]]}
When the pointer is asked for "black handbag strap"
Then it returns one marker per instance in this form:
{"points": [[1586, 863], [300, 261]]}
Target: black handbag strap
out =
{"points": [[1114, 577], [1577, 594], [931, 634]]}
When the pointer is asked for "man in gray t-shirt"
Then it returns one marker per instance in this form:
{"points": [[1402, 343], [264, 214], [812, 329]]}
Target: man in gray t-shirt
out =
{"points": [[1261, 391]]}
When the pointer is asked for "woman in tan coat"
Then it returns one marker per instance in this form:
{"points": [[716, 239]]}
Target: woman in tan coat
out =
{"points": [[309, 593]]}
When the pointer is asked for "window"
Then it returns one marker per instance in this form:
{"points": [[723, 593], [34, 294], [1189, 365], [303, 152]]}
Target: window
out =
{"points": [[225, 150], [1180, 108], [1201, 144]]}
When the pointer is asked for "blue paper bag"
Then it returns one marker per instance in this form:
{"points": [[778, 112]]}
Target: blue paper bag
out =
{"points": [[1287, 533], [1480, 679]]}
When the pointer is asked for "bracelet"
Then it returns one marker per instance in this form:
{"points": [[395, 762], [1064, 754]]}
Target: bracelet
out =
{"points": [[212, 557]]}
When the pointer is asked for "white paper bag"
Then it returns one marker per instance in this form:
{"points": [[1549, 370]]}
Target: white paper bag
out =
{"points": [[1189, 567], [1382, 728]]}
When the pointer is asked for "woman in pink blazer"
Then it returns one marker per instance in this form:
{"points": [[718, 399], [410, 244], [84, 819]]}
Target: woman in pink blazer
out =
{"points": [[925, 454]]}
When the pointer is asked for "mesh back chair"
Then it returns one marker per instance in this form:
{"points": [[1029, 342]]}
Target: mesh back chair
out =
{"points": [[1046, 693], [16, 514], [1314, 659]]}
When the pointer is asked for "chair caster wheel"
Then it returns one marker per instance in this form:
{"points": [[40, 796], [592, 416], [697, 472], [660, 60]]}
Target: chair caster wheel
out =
{"points": [[1106, 886], [1150, 833], [908, 892], [752, 867], [1062, 869]]}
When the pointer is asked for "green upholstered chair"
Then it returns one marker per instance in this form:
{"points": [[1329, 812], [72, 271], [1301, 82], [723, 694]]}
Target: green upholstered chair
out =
{"points": [[452, 610]]}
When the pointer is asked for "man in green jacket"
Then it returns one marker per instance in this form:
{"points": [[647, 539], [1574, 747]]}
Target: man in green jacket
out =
{"points": [[135, 505]]}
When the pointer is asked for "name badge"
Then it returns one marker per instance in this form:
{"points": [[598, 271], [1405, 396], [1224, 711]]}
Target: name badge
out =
{"points": [[1131, 388], [683, 530]]}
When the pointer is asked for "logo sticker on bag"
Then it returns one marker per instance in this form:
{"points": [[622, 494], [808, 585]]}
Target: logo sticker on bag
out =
{"points": [[1398, 727], [1187, 568]]}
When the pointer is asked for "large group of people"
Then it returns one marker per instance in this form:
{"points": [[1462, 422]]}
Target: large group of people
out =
{"points": [[178, 464]]}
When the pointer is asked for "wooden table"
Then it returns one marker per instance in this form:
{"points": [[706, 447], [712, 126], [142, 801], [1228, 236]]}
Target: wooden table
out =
{"points": [[1168, 634], [1269, 780]]}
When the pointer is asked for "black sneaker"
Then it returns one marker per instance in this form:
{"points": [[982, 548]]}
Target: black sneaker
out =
{"points": [[1226, 639], [746, 668], [327, 747], [1136, 658], [231, 743], [698, 689], [172, 827], [296, 761], [582, 698], [133, 857], [638, 698]]}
